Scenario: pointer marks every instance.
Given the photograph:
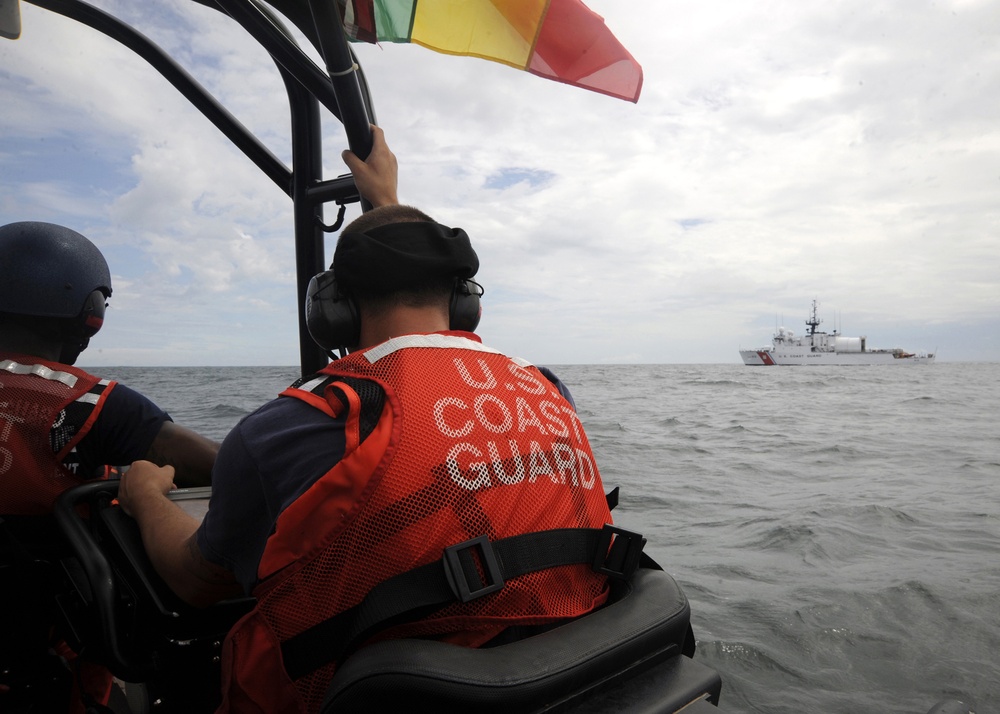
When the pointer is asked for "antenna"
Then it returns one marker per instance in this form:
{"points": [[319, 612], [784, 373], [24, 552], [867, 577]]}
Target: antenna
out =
{"points": [[813, 322]]}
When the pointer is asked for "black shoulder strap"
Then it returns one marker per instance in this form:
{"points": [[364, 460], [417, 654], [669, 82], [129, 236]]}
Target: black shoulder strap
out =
{"points": [[456, 576], [370, 392]]}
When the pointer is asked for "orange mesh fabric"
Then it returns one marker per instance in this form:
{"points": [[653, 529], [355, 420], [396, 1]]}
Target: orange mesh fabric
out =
{"points": [[465, 442], [35, 433]]}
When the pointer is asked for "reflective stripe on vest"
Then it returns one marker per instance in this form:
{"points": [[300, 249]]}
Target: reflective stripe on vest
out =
{"points": [[46, 408]]}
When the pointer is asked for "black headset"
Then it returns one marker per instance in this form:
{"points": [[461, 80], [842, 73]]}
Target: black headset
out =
{"points": [[334, 324], [81, 328], [91, 318]]}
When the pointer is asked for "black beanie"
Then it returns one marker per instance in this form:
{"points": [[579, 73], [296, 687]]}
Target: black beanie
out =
{"points": [[399, 256]]}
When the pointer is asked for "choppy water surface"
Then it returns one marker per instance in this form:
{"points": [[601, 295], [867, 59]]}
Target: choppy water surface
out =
{"points": [[836, 529]]}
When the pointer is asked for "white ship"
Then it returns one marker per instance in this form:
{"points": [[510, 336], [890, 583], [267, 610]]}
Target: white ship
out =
{"points": [[822, 348]]}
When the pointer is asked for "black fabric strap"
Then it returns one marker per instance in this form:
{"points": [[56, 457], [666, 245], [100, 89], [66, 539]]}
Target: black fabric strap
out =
{"points": [[612, 498], [412, 595]]}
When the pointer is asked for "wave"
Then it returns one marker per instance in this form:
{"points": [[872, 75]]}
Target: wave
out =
{"points": [[835, 530]]}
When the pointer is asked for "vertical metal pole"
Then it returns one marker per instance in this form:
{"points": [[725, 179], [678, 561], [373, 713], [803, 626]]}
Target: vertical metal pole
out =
{"points": [[307, 170], [344, 75]]}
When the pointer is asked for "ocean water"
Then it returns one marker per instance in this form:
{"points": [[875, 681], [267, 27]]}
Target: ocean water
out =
{"points": [[836, 529]]}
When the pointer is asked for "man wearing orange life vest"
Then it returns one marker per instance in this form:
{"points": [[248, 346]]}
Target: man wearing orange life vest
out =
{"points": [[411, 451], [61, 426]]}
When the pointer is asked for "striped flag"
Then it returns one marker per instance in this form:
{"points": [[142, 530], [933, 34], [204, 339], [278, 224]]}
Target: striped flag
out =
{"points": [[561, 40]]}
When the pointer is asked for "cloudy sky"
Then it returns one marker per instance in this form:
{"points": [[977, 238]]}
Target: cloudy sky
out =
{"points": [[781, 151]]}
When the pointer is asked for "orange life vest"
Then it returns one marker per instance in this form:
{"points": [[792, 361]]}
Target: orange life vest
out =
{"points": [[45, 409], [447, 440]]}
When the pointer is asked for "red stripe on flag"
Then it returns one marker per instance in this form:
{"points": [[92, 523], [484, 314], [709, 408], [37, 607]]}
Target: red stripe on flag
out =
{"points": [[364, 28], [574, 46]]}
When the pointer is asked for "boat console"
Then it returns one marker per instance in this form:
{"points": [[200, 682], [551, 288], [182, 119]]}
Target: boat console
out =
{"points": [[121, 613]]}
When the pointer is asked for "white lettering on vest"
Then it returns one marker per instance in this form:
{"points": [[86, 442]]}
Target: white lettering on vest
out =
{"points": [[574, 421], [506, 461], [467, 469], [498, 464], [551, 412], [489, 381], [497, 427], [525, 378], [565, 462], [584, 460], [482, 479], [526, 417], [439, 417], [539, 464]]}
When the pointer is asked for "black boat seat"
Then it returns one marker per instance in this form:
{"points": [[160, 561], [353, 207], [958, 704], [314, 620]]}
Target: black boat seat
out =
{"points": [[646, 626], [32, 677]]}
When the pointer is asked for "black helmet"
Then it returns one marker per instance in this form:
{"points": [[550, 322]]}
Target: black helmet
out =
{"points": [[52, 271]]}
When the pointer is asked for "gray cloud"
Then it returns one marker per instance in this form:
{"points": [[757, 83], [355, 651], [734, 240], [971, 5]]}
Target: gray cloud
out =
{"points": [[780, 151]]}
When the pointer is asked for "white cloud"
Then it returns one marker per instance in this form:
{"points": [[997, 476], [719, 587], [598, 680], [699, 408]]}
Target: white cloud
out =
{"points": [[780, 151]]}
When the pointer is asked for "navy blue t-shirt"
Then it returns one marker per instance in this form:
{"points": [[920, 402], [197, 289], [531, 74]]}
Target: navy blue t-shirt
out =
{"points": [[123, 432], [267, 461]]}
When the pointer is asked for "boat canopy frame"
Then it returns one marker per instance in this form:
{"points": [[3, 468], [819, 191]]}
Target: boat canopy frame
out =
{"points": [[340, 88]]}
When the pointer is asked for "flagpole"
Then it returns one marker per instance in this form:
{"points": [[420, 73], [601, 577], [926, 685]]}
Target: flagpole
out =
{"points": [[344, 74]]}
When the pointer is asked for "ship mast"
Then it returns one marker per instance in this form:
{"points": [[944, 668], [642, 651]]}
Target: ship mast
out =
{"points": [[814, 321]]}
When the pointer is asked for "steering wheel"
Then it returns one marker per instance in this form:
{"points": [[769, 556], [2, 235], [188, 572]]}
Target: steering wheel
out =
{"points": [[124, 615]]}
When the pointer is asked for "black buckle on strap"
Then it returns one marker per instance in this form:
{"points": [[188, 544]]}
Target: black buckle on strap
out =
{"points": [[462, 574], [618, 552]]}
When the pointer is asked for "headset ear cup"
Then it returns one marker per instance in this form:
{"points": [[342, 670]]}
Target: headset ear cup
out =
{"points": [[465, 309], [331, 316], [91, 318]]}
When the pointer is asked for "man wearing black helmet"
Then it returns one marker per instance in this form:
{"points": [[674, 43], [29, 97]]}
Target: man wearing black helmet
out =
{"points": [[420, 442], [59, 425]]}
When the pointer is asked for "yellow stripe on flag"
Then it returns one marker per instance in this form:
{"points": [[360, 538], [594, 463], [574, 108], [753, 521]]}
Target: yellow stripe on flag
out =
{"points": [[499, 30]]}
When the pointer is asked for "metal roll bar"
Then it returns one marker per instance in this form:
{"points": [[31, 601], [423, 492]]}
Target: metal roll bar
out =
{"points": [[340, 88]]}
